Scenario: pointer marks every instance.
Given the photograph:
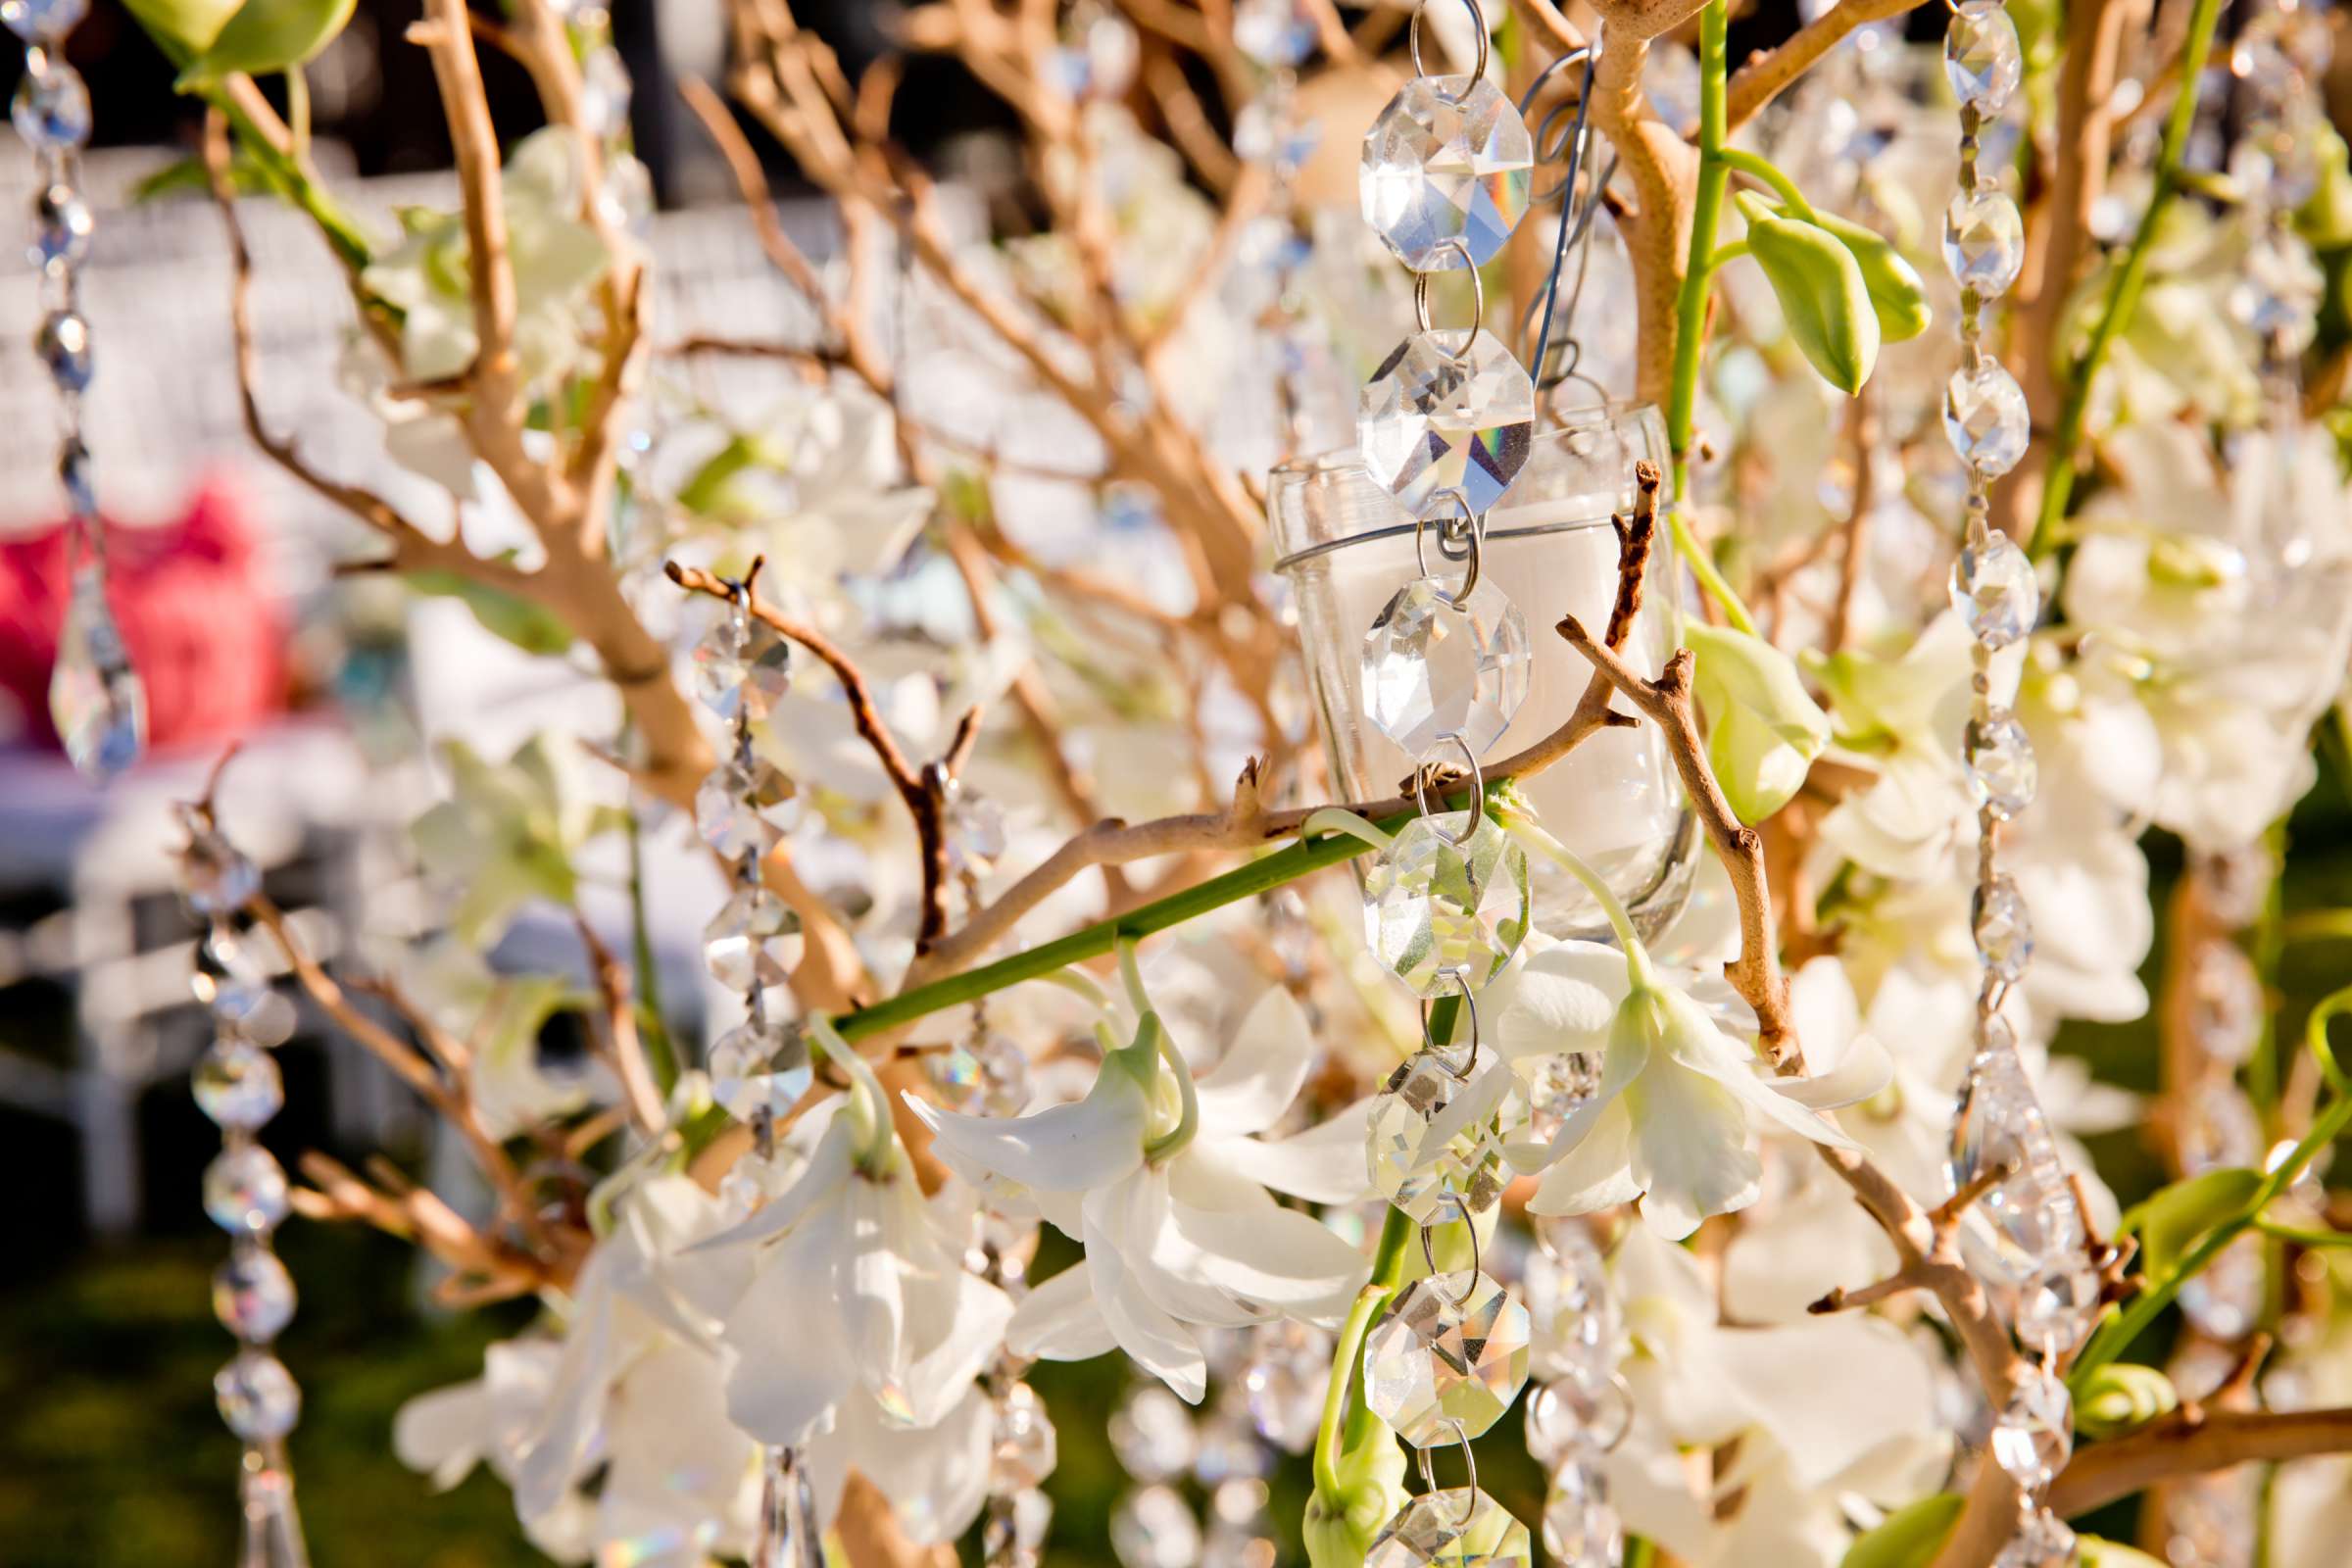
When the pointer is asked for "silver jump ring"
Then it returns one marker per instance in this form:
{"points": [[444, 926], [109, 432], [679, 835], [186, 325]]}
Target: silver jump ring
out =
{"points": [[1477, 1265], [1430, 1042], [1478, 800], [1478, 27], [1466, 525], [1478, 296]]}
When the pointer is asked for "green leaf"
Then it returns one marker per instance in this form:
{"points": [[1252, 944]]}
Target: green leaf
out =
{"points": [[187, 176], [1908, 1538], [705, 490], [2173, 1221], [2095, 1553], [533, 628], [1765, 728], [181, 28], [266, 36], [1821, 290]]}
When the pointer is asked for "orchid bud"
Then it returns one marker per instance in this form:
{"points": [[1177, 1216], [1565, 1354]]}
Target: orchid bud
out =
{"points": [[1765, 730], [1897, 294], [2325, 220], [1908, 1538], [2174, 1220], [2121, 1395], [2093, 1551], [1821, 290], [1338, 1529], [267, 36]]}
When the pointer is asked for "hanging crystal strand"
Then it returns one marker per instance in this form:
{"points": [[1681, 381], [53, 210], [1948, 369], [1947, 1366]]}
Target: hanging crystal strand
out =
{"points": [[2281, 51], [237, 1084], [1026, 1447], [1277, 36], [1582, 1408], [2038, 1240], [96, 702]]}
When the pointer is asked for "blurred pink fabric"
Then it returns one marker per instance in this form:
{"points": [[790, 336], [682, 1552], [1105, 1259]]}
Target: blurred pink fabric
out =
{"points": [[202, 628]]}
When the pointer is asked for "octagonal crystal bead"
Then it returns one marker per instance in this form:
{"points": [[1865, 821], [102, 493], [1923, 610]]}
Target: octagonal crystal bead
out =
{"points": [[1448, 160], [1982, 60], [1458, 1527], [1581, 1529], [741, 666], [1276, 34], [1995, 589], [237, 1084], [1025, 1443], [1450, 409], [245, 1190], [1448, 1361], [1432, 1146], [2003, 928], [1439, 913], [1983, 240], [756, 1068], [1985, 417], [253, 1294], [1434, 669], [744, 807], [257, 1396], [2001, 770], [752, 941]]}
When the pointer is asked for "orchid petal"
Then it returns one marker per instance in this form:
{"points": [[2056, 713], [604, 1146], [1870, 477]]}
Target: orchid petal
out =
{"points": [[870, 1283], [1074, 1148], [1561, 999], [1595, 1170], [828, 1167], [557, 1450], [1324, 1165], [1060, 1320], [1159, 1344], [789, 1363], [1690, 1152], [1275, 1257], [1262, 1069]]}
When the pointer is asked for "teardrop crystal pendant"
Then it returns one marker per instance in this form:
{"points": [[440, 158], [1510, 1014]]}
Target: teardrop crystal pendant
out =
{"points": [[273, 1529], [1448, 159], [787, 1511], [2030, 1223], [1440, 914], [1448, 410], [95, 699], [1434, 667], [1458, 1527]]}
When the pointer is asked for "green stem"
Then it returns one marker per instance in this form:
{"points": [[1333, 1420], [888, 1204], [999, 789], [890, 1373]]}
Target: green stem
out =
{"points": [[1310, 854], [1761, 169], [2123, 298], [2116, 1334], [1188, 1119], [2302, 1237], [864, 1089], [1343, 1425], [652, 1031], [1691, 305], [1637, 958]]}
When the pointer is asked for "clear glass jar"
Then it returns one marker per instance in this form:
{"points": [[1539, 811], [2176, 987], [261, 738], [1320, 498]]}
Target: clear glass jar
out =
{"points": [[1345, 546]]}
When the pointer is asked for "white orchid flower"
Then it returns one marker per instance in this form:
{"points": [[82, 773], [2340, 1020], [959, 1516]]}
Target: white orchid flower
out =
{"points": [[1681, 1101], [510, 831], [553, 254], [856, 1289], [1163, 1179]]}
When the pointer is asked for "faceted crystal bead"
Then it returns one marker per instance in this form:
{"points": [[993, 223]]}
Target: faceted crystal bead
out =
{"points": [[1276, 34], [1229, 1447], [2056, 1305], [975, 830], [1154, 1528], [2219, 1126], [1449, 159], [1993, 588], [2225, 1300], [95, 699], [1016, 1527], [743, 808], [253, 1294], [245, 1190], [1435, 910], [257, 1396], [1556, 1086], [2030, 1218], [52, 106], [1419, 1163], [227, 977], [1454, 1528], [1982, 60], [758, 1067], [2035, 1432], [1151, 1433], [987, 1077], [64, 345], [63, 225], [1983, 240], [1575, 1317], [1290, 1366], [1984, 417], [1096, 57], [1268, 130], [1025, 1446], [215, 877], [2001, 770], [752, 941], [1448, 409], [740, 666], [625, 200], [2044, 1540], [1448, 1359], [2227, 1003], [42, 22], [237, 1084], [1581, 1529], [2003, 928], [605, 90], [1434, 669]]}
